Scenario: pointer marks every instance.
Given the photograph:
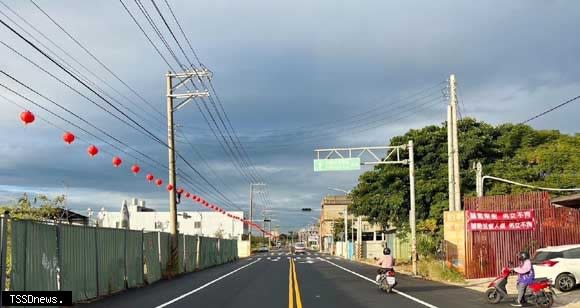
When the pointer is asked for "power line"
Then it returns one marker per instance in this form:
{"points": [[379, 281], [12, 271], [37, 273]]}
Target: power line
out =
{"points": [[78, 43], [551, 109], [98, 60], [88, 87], [145, 130], [231, 153]]}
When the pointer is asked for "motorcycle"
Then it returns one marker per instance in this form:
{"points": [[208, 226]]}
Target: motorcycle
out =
{"points": [[539, 292], [386, 279]]}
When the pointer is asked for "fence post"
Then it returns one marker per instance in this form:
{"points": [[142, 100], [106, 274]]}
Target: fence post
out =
{"points": [[3, 252], [96, 231], [58, 256], [143, 255]]}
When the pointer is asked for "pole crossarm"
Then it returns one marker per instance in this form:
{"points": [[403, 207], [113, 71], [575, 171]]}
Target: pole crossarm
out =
{"points": [[368, 155]]}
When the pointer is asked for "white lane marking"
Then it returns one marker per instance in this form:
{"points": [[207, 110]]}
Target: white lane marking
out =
{"points": [[374, 282], [205, 285]]}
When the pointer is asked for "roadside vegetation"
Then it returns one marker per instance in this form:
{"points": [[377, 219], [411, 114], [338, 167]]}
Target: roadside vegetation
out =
{"points": [[517, 152]]}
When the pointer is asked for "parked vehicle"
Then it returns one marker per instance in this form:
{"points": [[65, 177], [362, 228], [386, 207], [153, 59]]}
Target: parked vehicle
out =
{"points": [[561, 264], [299, 248], [540, 292], [386, 279]]}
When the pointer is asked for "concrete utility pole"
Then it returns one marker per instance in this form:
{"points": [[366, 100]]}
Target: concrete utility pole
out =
{"points": [[172, 266], [450, 158], [456, 176], [479, 180], [251, 214], [183, 78], [412, 200], [252, 209], [345, 232]]}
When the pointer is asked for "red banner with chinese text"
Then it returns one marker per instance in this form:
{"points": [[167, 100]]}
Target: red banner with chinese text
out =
{"points": [[501, 221]]}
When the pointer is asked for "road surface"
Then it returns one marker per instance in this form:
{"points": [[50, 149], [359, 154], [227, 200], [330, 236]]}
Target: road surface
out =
{"points": [[280, 279]]}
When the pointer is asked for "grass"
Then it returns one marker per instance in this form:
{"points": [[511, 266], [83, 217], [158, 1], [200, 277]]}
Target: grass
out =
{"points": [[435, 270]]}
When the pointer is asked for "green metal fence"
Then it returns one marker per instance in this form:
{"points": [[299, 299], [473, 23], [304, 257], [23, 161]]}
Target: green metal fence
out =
{"points": [[111, 260], [190, 252], [78, 262], [152, 266], [34, 257], [93, 262], [164, 249], [134, 258]]}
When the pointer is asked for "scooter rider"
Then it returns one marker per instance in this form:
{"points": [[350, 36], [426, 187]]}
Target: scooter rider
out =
{"points": [[526, 276], [386, 262]]}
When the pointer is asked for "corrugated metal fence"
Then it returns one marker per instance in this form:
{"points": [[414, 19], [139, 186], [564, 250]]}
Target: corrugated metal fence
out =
{"points": [[488, 251], [93, 262]]}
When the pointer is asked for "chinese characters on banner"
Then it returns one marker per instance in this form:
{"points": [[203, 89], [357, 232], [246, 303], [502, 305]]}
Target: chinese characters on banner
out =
{"points": [[501, 221]]}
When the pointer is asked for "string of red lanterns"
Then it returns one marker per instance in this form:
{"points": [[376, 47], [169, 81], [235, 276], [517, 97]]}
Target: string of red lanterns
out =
{"points": [[28, 117]]}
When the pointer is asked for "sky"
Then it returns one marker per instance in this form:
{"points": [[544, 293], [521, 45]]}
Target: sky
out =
{"points": [[292, 76]]}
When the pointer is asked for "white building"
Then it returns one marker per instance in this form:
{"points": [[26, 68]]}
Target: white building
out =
{"points": [[210, 224]]}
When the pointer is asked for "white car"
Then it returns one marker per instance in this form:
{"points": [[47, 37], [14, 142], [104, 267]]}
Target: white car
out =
{"points": [[299, 248], [561, 264]]}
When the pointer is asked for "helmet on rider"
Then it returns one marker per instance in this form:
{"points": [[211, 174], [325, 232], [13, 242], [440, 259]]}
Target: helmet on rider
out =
{"points": [[387, 251], [524, 255]]}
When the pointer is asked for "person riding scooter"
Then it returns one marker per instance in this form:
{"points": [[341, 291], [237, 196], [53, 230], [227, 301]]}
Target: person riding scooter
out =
{"points": [[526, 276], [386, 262]]}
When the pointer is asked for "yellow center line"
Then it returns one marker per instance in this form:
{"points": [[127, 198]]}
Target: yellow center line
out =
{"points": [[297, 288], [290, 287]]}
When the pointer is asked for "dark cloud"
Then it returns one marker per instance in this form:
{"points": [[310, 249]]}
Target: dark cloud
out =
{"points": [[284, 66]]}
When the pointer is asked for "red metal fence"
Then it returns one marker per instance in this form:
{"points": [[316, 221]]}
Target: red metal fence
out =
{"points": [[488, 251]]}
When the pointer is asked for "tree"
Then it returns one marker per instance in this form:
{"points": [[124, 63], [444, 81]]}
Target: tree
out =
{"points": [[517, 152], [24, 208]]}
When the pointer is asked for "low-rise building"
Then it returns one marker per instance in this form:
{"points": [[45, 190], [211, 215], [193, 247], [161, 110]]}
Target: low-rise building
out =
{"points": [[333, 208], [204, 223]]}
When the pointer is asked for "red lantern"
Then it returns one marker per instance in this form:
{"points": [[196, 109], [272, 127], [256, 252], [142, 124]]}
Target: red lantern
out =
{"points": [[149, 177], [169, 187], [135, 169], [92, 150], [159, 182], [212, 207], [187, 195], [194, 197], [180, 190], [27, 117], [68, 137], [117, 161]]}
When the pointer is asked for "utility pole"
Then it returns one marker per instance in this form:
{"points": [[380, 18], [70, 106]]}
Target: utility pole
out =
{"points": [[479, 180], [412, 200], [172, 266], [450, 158], [252, 209], [345, 231], [186, 97], [251, 213], [456, 176]]}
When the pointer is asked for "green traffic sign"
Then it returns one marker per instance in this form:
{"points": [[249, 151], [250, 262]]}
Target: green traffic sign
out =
{"points": [[337, 164]]}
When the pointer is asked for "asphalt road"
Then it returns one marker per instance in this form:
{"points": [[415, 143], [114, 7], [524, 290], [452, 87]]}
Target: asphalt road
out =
{"points": [[278, 279]]}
